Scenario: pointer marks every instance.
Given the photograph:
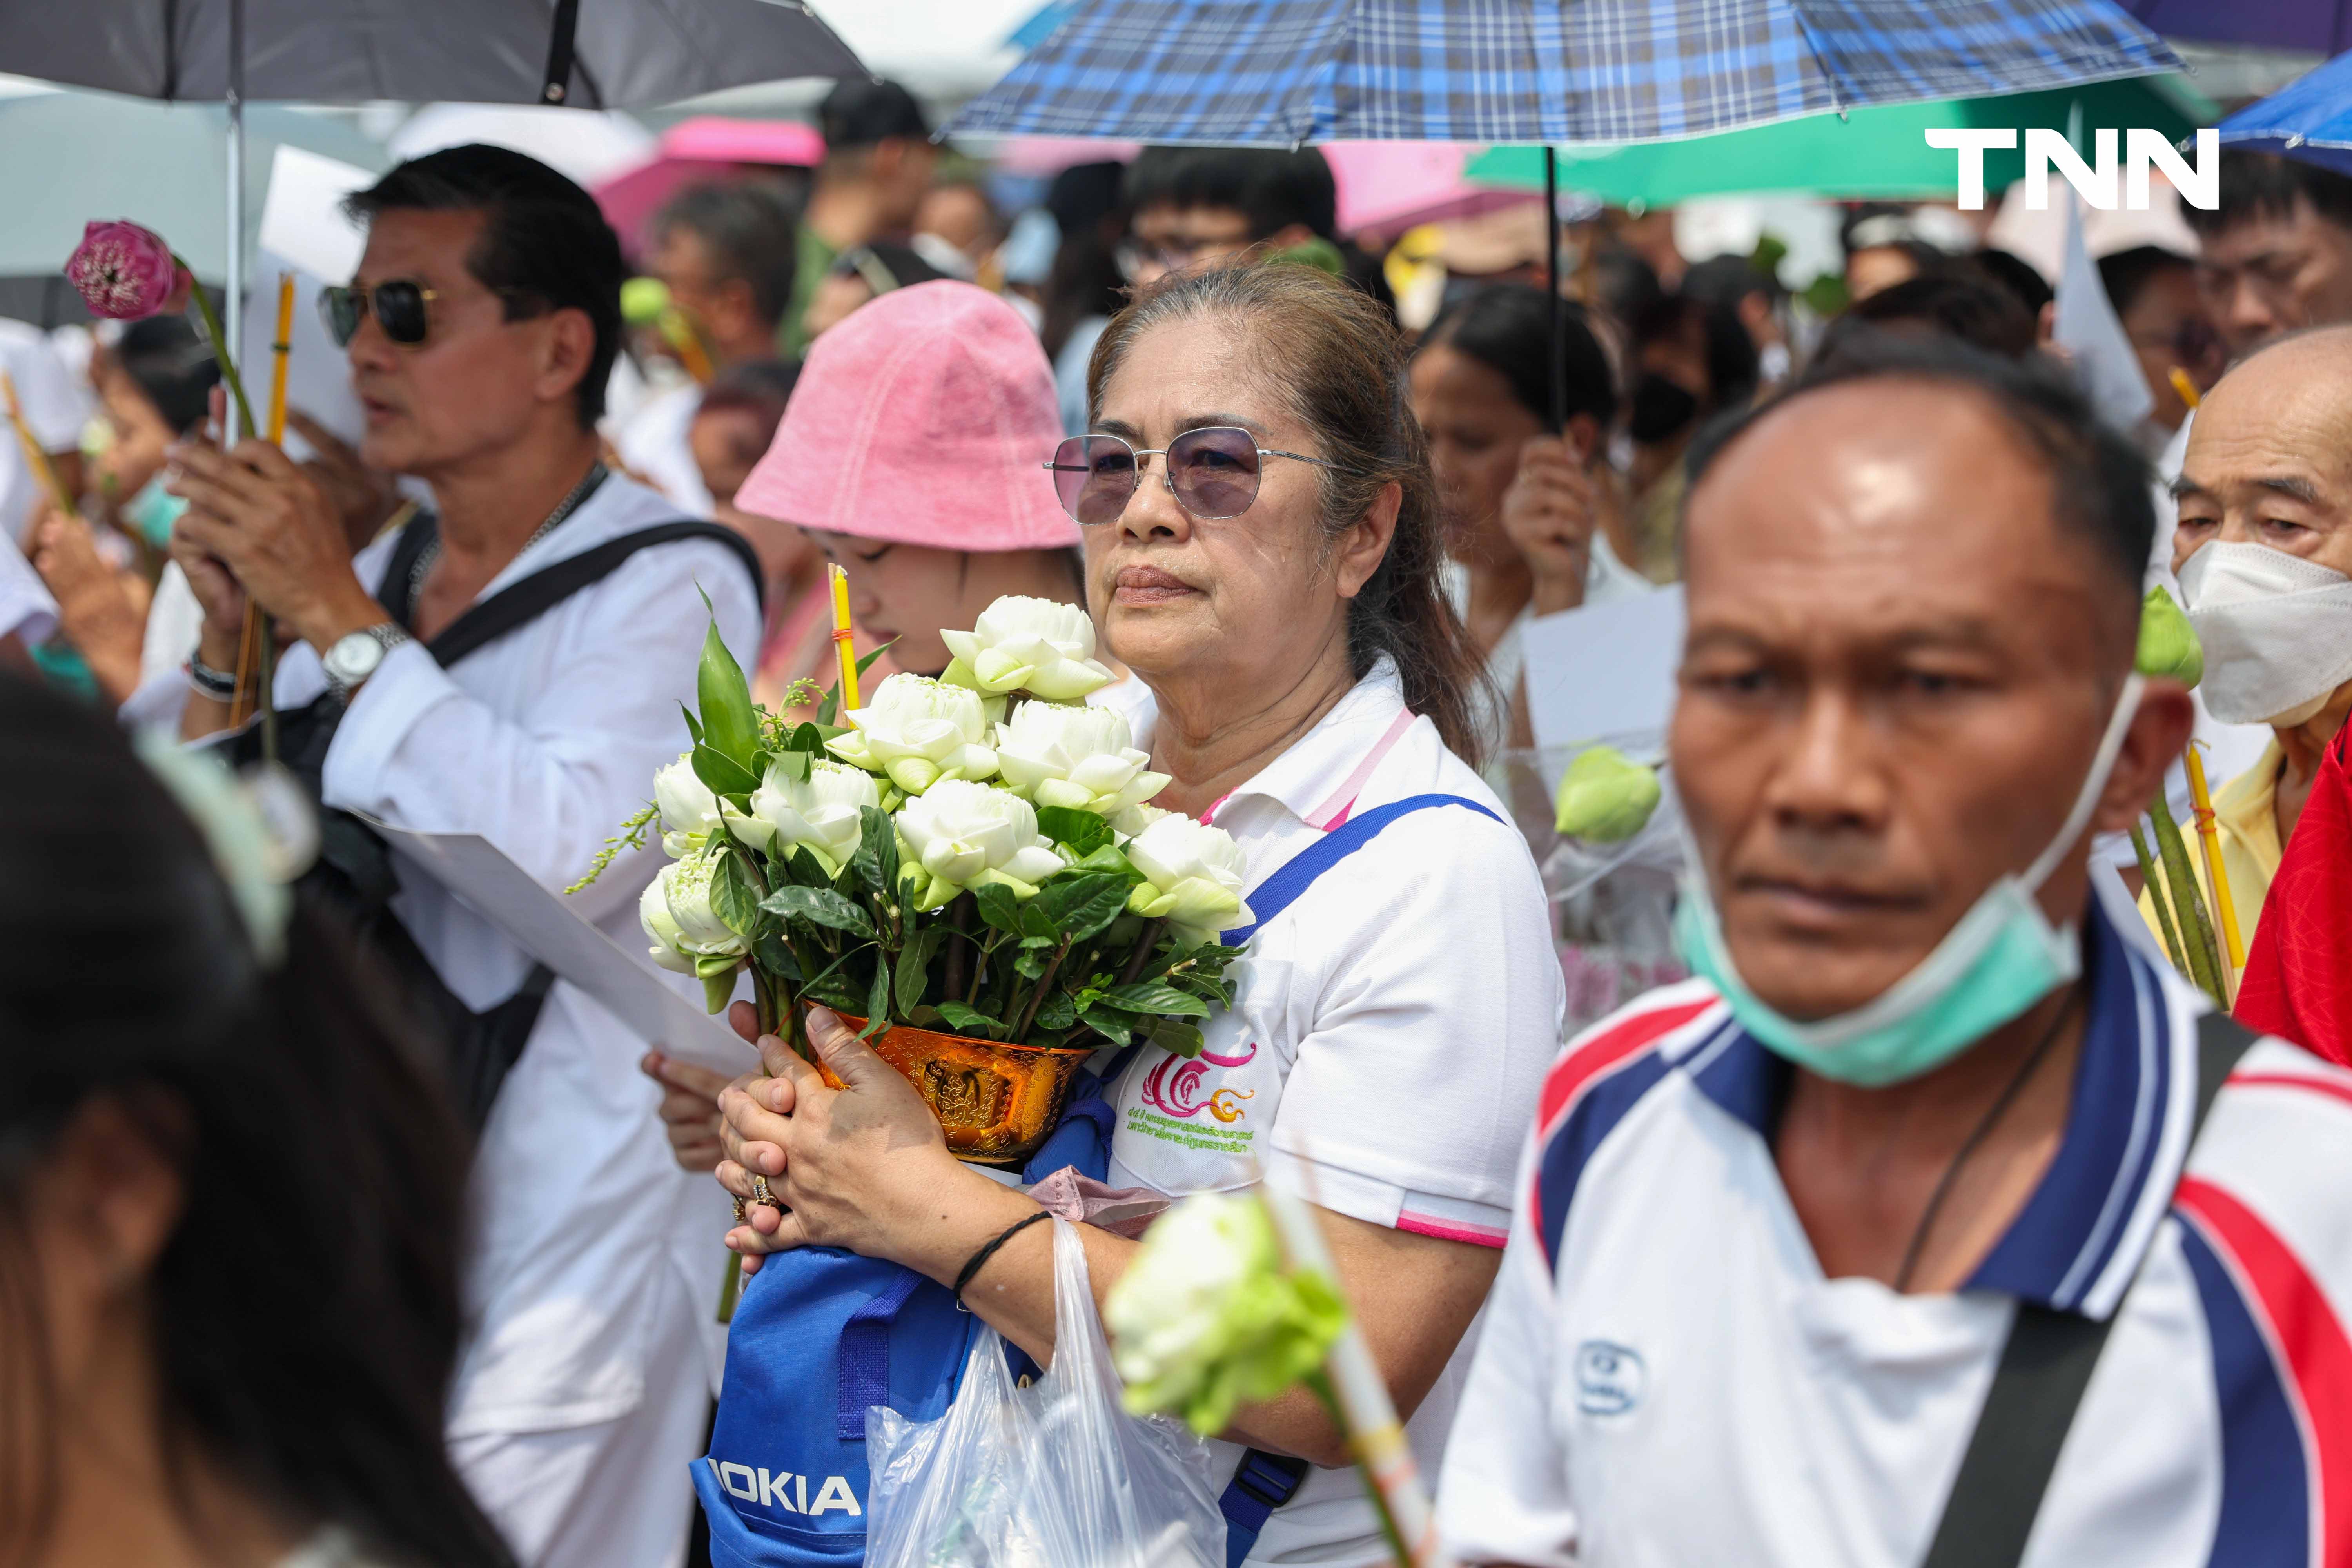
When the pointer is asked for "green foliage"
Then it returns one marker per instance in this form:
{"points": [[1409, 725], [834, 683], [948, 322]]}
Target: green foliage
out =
{"points": [[1081, 831], [728, 726]]}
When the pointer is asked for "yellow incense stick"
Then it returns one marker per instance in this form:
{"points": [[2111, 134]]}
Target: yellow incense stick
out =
{"points": [[36, 459], [2183, 385], [280, 348], [2209, 840], [841, 644]]}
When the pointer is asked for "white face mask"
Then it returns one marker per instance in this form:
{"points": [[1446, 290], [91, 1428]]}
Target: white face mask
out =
{"points": [[2276, 630]]}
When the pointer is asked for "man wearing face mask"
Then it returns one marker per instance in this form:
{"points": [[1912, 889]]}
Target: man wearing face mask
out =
{"points": [[1918, 1228], [1692, 359], [2263, 549]]}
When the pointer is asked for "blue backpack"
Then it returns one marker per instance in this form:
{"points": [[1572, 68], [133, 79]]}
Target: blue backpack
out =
{"points": [[820, 1334]]}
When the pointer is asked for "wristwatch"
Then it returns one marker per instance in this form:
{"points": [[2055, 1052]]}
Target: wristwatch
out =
{"points": [[353, 657]]}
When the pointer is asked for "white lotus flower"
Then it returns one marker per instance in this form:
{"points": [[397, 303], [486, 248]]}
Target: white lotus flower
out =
{"points": [[653, 913], [1022, 644], [1083, 758], [964, 834], [1136, 818], [820, 811], [1193, 876], [686, 893], [689, 812], [918, 730]]}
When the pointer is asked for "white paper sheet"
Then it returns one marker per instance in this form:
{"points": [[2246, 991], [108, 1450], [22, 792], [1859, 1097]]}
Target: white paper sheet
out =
{"points": [[1603, 669], [545, 927]]}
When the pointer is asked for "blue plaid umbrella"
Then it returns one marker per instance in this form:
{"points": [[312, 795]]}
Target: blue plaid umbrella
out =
{"points": [[1284, 72]]}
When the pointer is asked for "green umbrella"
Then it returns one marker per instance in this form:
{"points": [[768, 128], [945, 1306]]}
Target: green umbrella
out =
{"points": [[1872, 151]]}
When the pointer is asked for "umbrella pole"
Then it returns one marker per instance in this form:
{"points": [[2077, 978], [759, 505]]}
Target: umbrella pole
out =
{"points": [[259, 633], [1558, 361]]}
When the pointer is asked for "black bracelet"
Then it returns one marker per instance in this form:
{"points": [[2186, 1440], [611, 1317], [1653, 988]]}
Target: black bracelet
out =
{"points": [[988, 1249]]}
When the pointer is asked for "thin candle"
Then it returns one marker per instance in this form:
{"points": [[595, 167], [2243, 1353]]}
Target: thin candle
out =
{"points": [[281, 347], [2209, 840], [34, 459], [841, 643]]}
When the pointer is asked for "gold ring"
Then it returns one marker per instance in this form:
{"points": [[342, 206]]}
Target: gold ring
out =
{"points": [[760, 1193], [739, 1211]]}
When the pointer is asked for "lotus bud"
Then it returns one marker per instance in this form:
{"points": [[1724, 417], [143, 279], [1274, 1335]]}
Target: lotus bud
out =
{"points": [[2168, 642], [1020, 644], [1193, 876], [1605, 797], [919, 731], [689, 812]]}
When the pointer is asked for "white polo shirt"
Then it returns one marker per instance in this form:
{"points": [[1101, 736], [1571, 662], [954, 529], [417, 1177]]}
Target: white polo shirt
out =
{"points": [[1391, 1028], [1667, 1378]]}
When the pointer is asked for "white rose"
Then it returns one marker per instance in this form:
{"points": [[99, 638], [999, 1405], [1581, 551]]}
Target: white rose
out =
{"points": [[689, 812], [653, 913], [963, 834], [1192, 877], [1181, 1305], [686, 893], [1083, 758], [1028, 645], [820, 811], [918, 730]]}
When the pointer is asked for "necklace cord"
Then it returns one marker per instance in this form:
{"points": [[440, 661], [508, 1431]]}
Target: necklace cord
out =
{"points": [[1968, 1146]]}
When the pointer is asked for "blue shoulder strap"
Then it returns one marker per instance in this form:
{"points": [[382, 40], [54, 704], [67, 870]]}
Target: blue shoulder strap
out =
{"points": [[1264, 1482], [1282, 890]]}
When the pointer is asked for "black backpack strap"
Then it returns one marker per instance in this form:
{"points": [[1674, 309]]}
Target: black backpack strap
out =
{"points": [[524, 601], [391, 589], [2045, 1367]]}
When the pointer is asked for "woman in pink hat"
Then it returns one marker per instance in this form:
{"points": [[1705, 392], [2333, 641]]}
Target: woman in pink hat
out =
{"points": [[909, 453]]}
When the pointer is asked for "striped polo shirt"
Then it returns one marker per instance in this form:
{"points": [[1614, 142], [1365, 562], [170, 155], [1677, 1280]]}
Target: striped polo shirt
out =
{"points": [[1666, 1378]]}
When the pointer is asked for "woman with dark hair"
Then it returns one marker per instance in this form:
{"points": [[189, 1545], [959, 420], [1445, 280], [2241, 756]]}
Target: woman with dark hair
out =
{"points": [[1528, 504], [230, 1198], [1262, 550]]}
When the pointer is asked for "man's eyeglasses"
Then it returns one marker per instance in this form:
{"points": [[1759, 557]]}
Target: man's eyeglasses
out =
{"points": [[399, 305], [1212, 472]]}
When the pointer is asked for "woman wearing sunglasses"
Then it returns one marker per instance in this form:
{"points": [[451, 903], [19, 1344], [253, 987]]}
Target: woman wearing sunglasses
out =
{"points": [[1262, 549]]}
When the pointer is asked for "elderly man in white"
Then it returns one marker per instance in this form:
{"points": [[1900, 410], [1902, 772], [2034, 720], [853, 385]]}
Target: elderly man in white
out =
{"points": [[481, 329]]}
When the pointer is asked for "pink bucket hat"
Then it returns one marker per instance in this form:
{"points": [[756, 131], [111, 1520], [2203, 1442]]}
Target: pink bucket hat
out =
{"points": [[926, 417]]}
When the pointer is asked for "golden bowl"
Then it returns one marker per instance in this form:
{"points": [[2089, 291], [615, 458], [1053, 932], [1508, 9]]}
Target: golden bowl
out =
{"points": [[996, 1102]]}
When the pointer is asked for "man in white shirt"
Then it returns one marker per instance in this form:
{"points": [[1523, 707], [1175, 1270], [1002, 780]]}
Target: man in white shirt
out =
{"points": [[1925, 1114], [481, 329]]}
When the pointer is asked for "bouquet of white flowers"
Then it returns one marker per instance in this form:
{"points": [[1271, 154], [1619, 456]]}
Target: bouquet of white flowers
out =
{"points": [[965, 865]]}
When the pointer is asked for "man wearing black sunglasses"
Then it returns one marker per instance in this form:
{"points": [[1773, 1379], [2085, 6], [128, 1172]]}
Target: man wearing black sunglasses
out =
{"points": [[508, 665]]}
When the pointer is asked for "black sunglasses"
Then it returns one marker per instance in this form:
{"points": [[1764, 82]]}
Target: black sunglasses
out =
{"points": [[399, 306], [1212, 472]]}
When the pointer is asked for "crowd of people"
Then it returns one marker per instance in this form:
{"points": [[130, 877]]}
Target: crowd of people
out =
{"points": [[337, 1232]]}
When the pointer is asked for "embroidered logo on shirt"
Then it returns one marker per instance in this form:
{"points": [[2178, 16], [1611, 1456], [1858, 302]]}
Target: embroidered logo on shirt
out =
{"points": [[1178, 1093], [1609, 1378]]}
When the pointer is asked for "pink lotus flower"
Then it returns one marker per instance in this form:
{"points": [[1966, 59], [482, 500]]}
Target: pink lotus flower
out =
{"points": [[127, 271]]}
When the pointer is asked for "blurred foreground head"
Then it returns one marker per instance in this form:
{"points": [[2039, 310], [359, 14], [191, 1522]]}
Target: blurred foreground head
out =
{"points": [[1913, 595], [230, 1198]]}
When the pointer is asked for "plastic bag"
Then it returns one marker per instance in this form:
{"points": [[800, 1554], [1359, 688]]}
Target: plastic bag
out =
{"points": [[1056, 1475]]}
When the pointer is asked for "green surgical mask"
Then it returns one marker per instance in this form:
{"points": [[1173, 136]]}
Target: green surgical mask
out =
{"points": [[2001, 958], [153, 511]]}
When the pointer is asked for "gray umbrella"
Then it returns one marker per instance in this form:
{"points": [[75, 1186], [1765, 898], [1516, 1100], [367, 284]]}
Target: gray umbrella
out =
{"points": [[619, 53], [603, 53]]}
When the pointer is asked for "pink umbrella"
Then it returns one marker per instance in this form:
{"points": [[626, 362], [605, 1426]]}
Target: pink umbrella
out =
{"points": [[692, 151], [1387, 187]]}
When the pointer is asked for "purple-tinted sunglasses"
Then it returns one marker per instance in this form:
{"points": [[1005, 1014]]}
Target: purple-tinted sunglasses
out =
{"points": [[1212, 472]]}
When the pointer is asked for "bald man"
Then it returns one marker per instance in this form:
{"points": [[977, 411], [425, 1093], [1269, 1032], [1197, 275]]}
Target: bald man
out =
{"points": [[1890, 1238], [2263, 551]]}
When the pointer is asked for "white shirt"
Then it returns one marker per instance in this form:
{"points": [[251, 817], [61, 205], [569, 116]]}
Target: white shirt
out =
{"points": [[26, 609], [1390, 1029], [543, 741], [1606, 579], [1667, 1378], [654, 443], [56, 408]]}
